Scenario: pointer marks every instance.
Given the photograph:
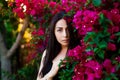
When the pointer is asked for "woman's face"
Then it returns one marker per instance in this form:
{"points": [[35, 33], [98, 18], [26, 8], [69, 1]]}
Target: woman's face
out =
{"points": [[61, 32]]}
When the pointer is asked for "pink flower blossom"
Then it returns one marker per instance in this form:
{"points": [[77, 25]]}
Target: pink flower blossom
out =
{"points": [[96, 67], [90, 53], [40, 31], [113, 37], [34, 32], [111, 46], [20, 12], [78, 73], [113, 29], [89, 70], [33, 12], [113, 15], [64, 2], [52, 4], [76, 52], [84, 21], [117, 58], [107, 64]]}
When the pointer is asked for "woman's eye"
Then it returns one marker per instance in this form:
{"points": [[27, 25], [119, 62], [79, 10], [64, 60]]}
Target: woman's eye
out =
{"points": [[59, 30]]}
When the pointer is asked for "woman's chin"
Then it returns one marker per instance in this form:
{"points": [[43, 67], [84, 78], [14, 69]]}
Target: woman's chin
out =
{"points": [[65, 44]]}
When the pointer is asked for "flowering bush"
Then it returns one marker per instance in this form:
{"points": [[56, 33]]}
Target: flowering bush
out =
{"points": [[98, 26]]}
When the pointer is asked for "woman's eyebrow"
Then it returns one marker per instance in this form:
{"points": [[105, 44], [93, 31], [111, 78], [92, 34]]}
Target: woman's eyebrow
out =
{"points": [[58, 27]]}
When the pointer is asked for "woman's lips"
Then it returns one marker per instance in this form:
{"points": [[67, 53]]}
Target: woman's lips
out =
{"points": [[67, 40]]}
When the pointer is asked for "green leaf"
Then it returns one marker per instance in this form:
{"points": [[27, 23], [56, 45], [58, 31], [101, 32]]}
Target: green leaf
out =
{"points": [[96, 3], [118, 40], [96, 50], [101, 54], [86, 38], [89, 35], [89, 58], [107, 78], [74, 30], [117, 34], [92, 42], [70, 13], [102, 45], [119, 51], [88, 48], [88, 2], [114, 76], [118, 67], [103, 20], [8, 26]]}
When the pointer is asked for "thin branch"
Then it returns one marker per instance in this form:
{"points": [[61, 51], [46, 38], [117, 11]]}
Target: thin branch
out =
{"points": [[18, 39]]}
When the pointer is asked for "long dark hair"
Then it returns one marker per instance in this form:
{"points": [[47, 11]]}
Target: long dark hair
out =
{"points": [[53, 47]]}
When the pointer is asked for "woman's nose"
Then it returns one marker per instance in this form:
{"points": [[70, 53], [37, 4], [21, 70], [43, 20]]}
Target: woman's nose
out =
{"points": [[65, 33]]}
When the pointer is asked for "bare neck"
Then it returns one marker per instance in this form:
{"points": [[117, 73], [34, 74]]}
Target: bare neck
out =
{"points": [[64, 48]]}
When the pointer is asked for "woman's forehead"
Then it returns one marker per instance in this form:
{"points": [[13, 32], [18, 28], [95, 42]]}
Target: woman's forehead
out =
{"points": [[61, 23]]}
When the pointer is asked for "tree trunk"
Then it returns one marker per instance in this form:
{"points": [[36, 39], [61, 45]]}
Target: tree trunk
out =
{"points": [[7, 54], [5, 68], [5, 62]]}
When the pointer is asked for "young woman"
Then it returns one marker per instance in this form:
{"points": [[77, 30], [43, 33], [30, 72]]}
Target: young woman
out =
{"points": [[61, 38]]}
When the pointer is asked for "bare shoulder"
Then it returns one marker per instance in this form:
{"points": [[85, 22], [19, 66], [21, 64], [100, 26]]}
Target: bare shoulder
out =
{"points": [[44, 53]]}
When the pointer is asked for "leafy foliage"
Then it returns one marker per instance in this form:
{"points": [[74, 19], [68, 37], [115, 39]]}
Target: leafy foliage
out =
{"points": [[67, 71]]}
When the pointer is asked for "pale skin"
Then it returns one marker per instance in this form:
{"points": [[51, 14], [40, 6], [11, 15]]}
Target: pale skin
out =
{"points": [[62, 36]]}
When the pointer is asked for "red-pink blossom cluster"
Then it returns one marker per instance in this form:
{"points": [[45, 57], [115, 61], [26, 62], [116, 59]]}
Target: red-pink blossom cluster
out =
{"points": [[111, 46], [77, 52], [30, 57], [32, 7], [39, 8], [69, 5], [109, 67], [84, 21], [90, 70], [39, 32], [117, 59]]}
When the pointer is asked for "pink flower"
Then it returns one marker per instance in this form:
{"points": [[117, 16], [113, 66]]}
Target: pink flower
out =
{"points": [[79, 73], [52, 4], [107, 64], [34, 32], [91, 76], [117, 58], [95, 67], [40, 31], [90, 70], [33, 12], [115, 16], [115, 11], [76, 52], [90, 53], [84, 21], [19, 12], [30, 56], [64, 2], [111, 46], [113, 29], [90, 16], [39, 44], [113, 37]]}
